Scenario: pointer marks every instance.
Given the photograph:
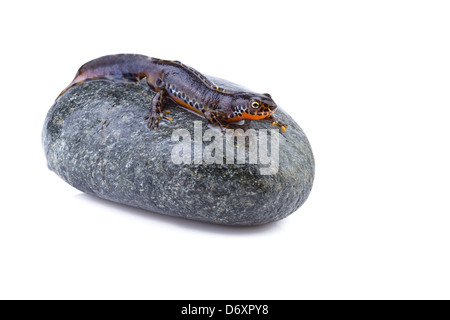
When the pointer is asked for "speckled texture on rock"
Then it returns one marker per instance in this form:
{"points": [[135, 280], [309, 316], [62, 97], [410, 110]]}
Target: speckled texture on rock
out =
{"points": [[96, 139]]}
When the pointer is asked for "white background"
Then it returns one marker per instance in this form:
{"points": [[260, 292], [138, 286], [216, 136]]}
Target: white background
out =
{"points": [[368, 81]]}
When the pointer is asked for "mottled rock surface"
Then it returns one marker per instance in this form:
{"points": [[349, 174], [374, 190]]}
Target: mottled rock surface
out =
{"points": [[96, 139]]}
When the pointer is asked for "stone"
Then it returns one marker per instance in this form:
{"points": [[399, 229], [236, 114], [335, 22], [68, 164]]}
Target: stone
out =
{"points": [[96, 139]]}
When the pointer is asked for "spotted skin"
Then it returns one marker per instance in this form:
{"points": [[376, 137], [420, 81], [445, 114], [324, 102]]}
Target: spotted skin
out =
{"points": [[183, 84]]}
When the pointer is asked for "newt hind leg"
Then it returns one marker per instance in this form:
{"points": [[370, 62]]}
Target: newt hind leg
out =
{"points": [[156, 112]]}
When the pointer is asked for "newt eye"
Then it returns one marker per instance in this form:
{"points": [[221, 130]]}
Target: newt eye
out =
{"points": [[255, 104]]}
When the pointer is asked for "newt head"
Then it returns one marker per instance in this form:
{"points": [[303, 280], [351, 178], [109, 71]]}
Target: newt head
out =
{"points": [[252, 106]]}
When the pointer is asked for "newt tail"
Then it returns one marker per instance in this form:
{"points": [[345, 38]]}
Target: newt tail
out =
{"points": [[183, 84]]}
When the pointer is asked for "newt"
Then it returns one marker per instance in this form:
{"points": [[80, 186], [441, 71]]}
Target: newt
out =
{"points": [[183, 84]]}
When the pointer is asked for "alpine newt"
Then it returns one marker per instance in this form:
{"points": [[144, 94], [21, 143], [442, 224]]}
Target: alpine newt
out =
{"points": [[183, 84]]}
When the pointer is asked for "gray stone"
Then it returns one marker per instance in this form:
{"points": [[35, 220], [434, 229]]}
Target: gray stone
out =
{"points": [[96, 139]]}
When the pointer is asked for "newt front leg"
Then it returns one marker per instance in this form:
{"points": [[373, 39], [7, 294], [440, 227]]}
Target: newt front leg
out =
{"points": [[215, 122], [277, 122]]}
